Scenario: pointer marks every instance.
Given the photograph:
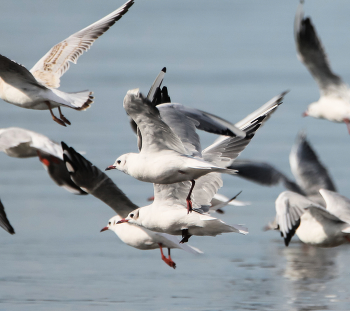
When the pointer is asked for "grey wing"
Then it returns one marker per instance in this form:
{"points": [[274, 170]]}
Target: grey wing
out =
{"points": [[265, 110], [182, 126], [337, 205], [15, 74], [312, 54], [264, 174], [155, 88], [175, 194], [56, 62], [155, 134], [290, 206], [4, 222], [156, 96], [95, 182], [307, 169], [209, 122], [22, 143], [226, 149]]}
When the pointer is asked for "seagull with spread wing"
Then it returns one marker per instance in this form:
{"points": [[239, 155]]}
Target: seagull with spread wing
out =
{"points": [[37, 88], [334, 103], [313, 224]]}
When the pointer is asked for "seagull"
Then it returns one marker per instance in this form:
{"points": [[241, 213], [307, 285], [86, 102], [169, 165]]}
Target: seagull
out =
{"points": [[168, 213], [144, 239], [310, 174], [98, 184], [37, 88], [313, 224], [334, 102], [4, 222], [21, 143]]}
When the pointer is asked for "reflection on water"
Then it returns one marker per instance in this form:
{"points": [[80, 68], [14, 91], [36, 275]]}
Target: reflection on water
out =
{"points": [[305, 262], [310, 269]]}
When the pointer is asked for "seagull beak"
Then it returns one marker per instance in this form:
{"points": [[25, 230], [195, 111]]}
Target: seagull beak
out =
{"points": [[104, 229], [150, 199], [122, 220], [305, 114], [111, 167]]}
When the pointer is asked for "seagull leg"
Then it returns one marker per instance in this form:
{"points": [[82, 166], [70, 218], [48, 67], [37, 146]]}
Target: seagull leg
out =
{"points": [[63, 118], [185, 236], [53, 116], [168, 261], [347, 122], [188, 199]]}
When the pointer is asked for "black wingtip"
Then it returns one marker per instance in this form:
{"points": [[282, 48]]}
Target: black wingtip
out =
{"points": [[64, 145], [291, 233], [164, 69]]}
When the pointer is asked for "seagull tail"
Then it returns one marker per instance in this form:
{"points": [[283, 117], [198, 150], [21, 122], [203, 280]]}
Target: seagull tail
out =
{"points": [[78, 101]]}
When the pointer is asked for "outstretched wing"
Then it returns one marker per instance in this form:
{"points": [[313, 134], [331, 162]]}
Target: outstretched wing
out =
{"points": [[337, 204], [94, 181], [310, 174], [312, 54], [156, 134], [264, 174], [56, 62], [226, 149], [22, 143]]}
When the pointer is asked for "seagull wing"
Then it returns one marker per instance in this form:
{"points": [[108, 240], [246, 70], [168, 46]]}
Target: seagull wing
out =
{"points": [[56, 62], [4, 222], [337, 204], [264, 174], [226, 149], [307, 169], [95, 182], [312, 54], [290, 206], [15, 74], [156, 135], [175, 194], [22, 143]]}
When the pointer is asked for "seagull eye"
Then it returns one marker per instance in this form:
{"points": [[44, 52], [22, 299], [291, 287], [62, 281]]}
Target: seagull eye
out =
{"points": [[131, 215], [119, 161], [109, 223]]}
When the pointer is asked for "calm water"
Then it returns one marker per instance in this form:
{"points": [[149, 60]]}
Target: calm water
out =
{"points": [[225, 57]]}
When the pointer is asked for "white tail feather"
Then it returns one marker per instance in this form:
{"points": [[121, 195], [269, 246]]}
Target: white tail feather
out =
{"points": [[79, 100]]}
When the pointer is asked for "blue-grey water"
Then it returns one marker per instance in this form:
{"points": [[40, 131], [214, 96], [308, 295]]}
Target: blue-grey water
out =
{"points": [[225, 57]]}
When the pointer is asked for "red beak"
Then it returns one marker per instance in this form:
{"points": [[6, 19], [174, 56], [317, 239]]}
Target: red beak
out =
{"points": [[122, 220], [150, 199], [104, 229], [111, 167], [305, 114]]}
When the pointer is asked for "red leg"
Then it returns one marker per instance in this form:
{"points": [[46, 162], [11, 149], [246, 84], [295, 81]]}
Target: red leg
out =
{"points": [[347, 123], [168, 261], [188, 199], [63, 117], [53, 116]]}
